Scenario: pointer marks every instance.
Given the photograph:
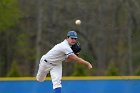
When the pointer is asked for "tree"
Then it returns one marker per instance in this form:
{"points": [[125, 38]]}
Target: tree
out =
{"points": [[9, 13], [14, 71], [9, 16]]}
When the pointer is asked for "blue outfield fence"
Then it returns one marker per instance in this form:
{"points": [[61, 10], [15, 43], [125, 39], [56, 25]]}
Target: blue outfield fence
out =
{"points": [[125, 84]]}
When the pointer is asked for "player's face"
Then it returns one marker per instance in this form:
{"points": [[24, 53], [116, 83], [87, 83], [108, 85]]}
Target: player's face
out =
{"points": [[72, 41]]}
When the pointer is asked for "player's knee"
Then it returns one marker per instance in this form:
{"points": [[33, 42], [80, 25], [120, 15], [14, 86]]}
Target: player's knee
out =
{"points": [[39, 79]]}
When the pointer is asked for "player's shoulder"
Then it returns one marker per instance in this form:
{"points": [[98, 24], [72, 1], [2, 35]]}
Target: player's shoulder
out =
{"points": [[60, 45], [64, 45]]}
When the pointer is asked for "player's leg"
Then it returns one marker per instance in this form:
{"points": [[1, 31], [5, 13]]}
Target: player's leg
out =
{"points": [[43, 70], [56, 75]]}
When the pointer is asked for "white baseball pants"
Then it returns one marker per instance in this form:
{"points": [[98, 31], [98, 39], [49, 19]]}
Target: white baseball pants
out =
{"points": [[55, 72]]}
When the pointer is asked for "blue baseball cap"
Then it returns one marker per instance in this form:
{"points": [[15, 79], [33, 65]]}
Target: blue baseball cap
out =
{"points": [[72, 34]]}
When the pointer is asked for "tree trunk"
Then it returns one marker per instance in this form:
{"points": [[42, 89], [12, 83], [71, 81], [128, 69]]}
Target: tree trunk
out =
{"points": [[39, 33]]}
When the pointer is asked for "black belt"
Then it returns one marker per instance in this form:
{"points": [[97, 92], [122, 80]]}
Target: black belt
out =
{"points": [[45, 60], [49, 62]]}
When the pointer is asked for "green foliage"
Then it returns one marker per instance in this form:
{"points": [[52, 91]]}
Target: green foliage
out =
{"points": [[137, 72], [112, 70], [23, 45], [14, 72], [9, 13], [80, 69], [87, 56]]}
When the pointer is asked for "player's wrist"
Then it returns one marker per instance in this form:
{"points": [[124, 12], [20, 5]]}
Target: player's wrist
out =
{"points": [[89, 65]]}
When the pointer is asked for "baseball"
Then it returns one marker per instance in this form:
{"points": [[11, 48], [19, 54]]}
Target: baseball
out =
{"points": [[78, 22]]}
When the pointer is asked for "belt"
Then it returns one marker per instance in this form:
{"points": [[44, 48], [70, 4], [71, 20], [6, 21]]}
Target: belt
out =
{"points": [[50, 63]]}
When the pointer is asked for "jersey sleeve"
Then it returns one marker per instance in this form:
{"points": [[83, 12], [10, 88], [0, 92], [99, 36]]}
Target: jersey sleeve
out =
{"points": [[68, 51]]}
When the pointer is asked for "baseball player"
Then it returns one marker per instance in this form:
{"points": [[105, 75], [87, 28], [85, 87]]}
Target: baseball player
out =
{"points": [[51, 62]]}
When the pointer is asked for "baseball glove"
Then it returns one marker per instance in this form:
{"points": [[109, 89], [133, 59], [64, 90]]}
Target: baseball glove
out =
{"points": [[76, 48]]}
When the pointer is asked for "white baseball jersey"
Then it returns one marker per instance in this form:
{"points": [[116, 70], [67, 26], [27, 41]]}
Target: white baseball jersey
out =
{"points": [[58, 53], [54, 63]]}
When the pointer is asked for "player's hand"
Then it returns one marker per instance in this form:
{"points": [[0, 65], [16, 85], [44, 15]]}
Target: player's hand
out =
{"points": [[89, 65]]}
